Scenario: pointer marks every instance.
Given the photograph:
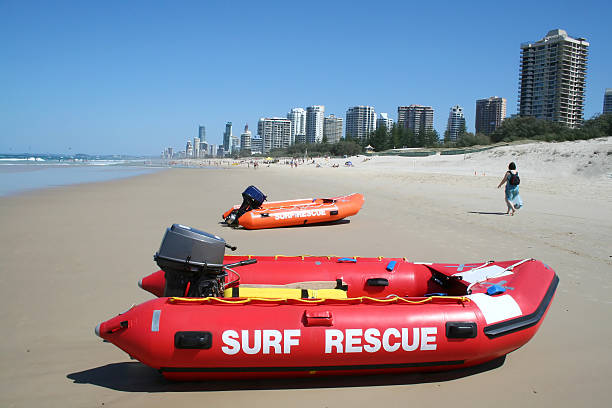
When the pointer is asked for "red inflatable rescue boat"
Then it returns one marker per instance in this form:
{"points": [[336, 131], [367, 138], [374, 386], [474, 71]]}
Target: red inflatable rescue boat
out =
{"points": [[254, 213], [305, 316]]}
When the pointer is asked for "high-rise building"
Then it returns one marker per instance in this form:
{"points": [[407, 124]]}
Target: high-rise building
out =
{"points": [[297, 116], [212, 150], [384, 120], [189, 150], [416, 117], [274, 132], [552, 78], [235, 142], [202, 133], [256, 145], [196, 148], [332, 129], [490, 113], [402, 116], [245, 139], [456, 123], [314, 123], [607, 106], [203, 149], [227, 138], [360, 122]]}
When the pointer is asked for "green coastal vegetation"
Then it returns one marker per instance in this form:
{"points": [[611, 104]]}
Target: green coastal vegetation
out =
{"points": [[511, 130]]}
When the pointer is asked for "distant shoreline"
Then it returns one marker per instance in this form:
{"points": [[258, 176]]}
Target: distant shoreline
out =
{"points": [[24, 177]]}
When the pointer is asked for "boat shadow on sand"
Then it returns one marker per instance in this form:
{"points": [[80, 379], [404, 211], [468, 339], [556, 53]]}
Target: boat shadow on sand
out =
{"points": [[136, 377]]}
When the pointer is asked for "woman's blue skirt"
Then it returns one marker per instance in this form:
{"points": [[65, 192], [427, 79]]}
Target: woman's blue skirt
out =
{"points": [[512, 194]]}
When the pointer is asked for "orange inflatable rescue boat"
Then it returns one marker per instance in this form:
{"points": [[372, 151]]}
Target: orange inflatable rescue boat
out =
{"points": [[254, 213], [244, 317]]}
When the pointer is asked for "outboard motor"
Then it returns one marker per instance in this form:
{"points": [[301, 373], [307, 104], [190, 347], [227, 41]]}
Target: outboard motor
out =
{"points": [[188, 256], [252, 199], [193, 262]]}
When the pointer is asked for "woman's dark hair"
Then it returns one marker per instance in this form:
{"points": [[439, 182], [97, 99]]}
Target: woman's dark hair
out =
{"points": [[512, 166]]}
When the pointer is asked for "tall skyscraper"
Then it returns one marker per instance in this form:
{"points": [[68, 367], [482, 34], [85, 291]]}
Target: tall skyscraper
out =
{"points": [[202, 133], [203, 149], [189, 150], [256, 145], [245, 138], [227, 138], [332, 129], [607, 106], [402, 116], [360, 122], [314, 123], [552, 78], [274, 132], [196, 148], [235, 142], [297, 116], [490, 113], [456, 123], [384, 120], [212, 150], [416, 117]]}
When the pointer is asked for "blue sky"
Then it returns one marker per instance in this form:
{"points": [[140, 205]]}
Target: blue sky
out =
{"points": [[135, 77]]}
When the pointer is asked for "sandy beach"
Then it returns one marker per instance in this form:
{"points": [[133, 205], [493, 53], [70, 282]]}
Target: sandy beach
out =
{"points": [[72, 256]]}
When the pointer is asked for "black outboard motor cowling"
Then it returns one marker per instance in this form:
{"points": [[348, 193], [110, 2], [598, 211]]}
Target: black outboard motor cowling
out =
{"points": [[252, 199], [191, 257]]}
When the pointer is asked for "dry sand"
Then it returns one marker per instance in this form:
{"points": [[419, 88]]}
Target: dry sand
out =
{"points": [[71, 257]]}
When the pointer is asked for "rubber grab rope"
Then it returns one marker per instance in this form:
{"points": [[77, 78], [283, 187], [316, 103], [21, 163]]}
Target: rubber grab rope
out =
{"points": [[357, 300], [329, 257], [292, 207]]}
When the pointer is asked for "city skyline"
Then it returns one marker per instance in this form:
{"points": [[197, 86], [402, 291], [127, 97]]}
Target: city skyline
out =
{"points": [[139, 77]]}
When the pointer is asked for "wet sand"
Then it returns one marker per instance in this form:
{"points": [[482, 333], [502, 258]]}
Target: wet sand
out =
{"points": [[72, 256]]}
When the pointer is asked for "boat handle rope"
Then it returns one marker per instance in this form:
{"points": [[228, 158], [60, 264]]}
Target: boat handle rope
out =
{"points": [[362, 299], [329, 257], [509, 268]]}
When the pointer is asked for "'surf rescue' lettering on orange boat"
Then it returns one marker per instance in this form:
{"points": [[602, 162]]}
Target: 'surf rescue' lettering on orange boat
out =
{"points": [[299, 214]]}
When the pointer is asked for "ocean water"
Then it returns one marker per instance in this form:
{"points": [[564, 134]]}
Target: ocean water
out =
{"points": [[20, 176]]}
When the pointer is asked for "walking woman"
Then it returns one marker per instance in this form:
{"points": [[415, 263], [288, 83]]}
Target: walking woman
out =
{"points": [[512, 181]]}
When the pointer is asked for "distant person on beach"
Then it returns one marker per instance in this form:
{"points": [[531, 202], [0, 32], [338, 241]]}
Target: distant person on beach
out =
{"points": [[511, 180]]}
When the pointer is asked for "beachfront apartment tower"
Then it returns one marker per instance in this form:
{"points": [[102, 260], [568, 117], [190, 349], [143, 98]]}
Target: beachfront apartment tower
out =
{"points": [[188, 150], [360, 122], [245, 139], [256, 145], [274, 132], [235, 144], [196, 148], [332, 129], [227, 138], [607, 105], [202, 133], [490, 113], [314, 123], [552, 78], [384, 120], [416, 117], [297, 116], [455, 125]]}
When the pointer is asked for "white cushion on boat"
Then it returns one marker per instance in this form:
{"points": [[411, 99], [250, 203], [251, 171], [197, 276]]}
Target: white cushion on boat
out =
{"points": [[482, 274]]}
